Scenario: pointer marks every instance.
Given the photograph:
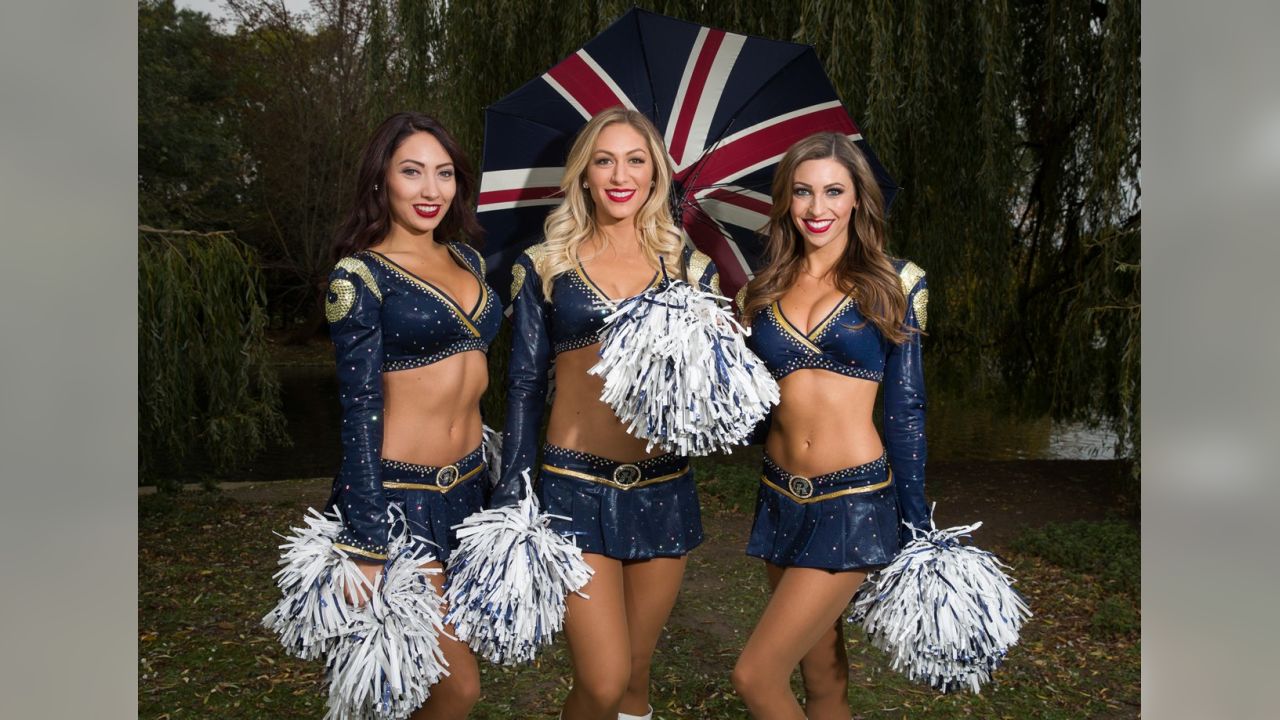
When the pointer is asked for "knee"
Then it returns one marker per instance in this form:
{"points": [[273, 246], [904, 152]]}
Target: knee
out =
{"points": [[746, 677], [462, 687], [604, 686]]}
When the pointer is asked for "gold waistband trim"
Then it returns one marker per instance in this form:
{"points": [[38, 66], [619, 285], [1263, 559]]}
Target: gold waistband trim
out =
{"points": [[838, 493], [361, 553], [610, 482], [435, 488]]}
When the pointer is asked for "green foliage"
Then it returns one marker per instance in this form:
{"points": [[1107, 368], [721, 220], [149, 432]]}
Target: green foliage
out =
{"points": [[1110, 551], [1104, 555], [190, 161], [205, 388], [1115, 616]]}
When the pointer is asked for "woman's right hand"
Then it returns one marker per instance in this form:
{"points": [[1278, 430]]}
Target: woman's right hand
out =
{"points": [[357, 596]]}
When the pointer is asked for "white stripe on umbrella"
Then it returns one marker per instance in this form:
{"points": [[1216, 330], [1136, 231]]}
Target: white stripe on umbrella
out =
{"points": [[524, 187], [713, 56]]}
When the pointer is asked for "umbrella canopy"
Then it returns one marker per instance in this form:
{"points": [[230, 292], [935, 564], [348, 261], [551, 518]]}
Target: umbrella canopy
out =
{"points": [[728, 106]]}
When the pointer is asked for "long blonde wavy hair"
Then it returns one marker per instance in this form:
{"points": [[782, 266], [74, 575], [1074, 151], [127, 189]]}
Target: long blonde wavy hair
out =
{"points": [[574, 220], [864, 268]]}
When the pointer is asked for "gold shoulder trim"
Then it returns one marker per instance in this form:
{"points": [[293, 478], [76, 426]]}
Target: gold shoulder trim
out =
{"points": [[537, 255], [517, 279], [910, 275], [715, 284], [698, 262], [536, 252], [741, 299], [921, 305], [339, 299], [360, 270]]}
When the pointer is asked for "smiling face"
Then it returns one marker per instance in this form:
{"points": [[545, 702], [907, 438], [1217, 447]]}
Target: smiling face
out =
{"points": [[420, 183], [822, 201], [619, 173]]}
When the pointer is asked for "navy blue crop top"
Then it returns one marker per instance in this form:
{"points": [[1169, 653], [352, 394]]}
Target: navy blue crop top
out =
{"points": [[846, 343], [383, 318], [571, 319]]}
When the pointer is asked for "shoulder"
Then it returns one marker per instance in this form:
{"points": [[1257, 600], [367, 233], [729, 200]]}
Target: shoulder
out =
{"points": [[348, 276], [697, 262], [471, 255], [910, 274], [526, 264], [534, 254], [356, 268], [915, 287]]}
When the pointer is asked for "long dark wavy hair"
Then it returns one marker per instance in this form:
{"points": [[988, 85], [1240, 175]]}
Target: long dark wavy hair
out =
{"points": [[864, 268], [370, 218]]}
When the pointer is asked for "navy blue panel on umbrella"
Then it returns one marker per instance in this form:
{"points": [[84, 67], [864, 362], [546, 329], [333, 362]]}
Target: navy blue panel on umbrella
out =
{"points": [[728, 106]]}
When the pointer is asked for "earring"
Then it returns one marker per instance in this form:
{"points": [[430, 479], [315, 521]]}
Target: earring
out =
{"points": [[653, 183], [376, 187], [585, 186]]}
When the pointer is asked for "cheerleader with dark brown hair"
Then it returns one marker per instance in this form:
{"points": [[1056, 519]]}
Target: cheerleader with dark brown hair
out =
{"points": [[837, 322]]}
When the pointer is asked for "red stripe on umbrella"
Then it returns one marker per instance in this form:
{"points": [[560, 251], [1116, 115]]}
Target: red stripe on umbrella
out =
{"points": [[745, 151], [534, 193], [693, 93], [580, 82]]}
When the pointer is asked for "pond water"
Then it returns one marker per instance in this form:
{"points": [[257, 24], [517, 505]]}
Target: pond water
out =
{"points": [[957, 431]]}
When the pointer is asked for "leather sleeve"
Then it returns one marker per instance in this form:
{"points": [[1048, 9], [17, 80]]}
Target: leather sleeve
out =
{"points": [[526, 383], [353, 307], [904, 406]]}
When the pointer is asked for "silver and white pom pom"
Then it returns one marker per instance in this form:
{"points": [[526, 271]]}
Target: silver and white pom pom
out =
{"points": [[508, 580], [945, 612], [382, 656], [678, 373], [385, 665], [313, 578]]}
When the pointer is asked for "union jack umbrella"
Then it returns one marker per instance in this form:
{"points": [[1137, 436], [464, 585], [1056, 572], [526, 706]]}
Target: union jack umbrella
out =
{"points": [[728, 106]]}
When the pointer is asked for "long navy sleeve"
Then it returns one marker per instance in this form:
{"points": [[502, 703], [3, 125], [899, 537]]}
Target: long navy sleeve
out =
{"points": [[904, 407], [353, 308], [526, 382]]}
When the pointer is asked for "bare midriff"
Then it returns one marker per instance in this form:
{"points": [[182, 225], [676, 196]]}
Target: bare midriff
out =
{"points": [[433, 412], [823, 423], [580, 420]]}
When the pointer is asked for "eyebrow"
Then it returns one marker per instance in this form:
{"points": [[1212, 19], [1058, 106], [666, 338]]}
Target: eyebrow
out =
{"points": [[632, 150], [797, 183], [422, 164]]}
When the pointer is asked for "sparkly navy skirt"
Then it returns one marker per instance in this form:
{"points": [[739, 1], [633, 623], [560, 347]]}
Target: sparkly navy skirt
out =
{"points": [[845, 520], [625, 511], [437, 498]]}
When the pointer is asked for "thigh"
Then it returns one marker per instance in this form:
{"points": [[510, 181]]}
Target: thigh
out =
{"points": [[650, 587], [805, 605], [828, 650], [462, 663], [596, 626]]}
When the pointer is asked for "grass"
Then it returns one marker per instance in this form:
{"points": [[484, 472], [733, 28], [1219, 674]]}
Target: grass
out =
{"points": [[206, 559]]}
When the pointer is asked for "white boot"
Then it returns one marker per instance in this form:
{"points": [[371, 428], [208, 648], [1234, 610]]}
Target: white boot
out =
{"points": [[646, 716]]}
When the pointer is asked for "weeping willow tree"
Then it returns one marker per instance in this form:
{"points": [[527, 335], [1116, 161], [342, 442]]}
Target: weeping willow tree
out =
{"points": [[1012, 126], [205, 389]]}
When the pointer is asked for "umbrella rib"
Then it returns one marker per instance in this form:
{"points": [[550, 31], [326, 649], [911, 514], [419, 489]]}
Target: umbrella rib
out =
{"points": [[644, 56]]}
